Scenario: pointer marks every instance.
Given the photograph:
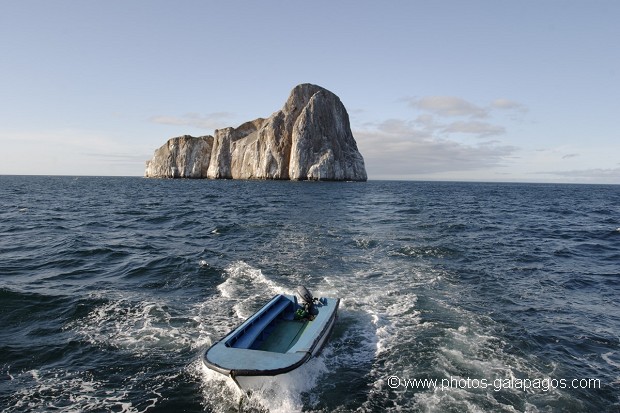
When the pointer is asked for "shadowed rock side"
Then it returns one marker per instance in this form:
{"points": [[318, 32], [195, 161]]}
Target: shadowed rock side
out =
{"points": [[308, 139]]}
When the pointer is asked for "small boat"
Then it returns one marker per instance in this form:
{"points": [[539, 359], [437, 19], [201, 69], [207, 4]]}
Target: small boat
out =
{"points": [[277, 339]]}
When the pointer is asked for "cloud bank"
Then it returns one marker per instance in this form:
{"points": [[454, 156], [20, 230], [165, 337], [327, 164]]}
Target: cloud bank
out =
{"points": [[209, 121], [448, 106], [445, 134]]}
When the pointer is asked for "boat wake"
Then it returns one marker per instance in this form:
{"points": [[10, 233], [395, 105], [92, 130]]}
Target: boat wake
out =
{"points": [[245, 290], [282, 394], [247, 287], [138, 326], [394, 326], [80, 391]]}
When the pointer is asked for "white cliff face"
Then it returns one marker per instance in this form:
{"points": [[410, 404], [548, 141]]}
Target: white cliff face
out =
{"points": [[308, 139], [323, 147], [182, 157]]}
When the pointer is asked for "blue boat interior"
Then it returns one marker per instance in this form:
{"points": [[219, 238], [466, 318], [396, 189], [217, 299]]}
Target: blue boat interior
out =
{"points": [[274, 328]]}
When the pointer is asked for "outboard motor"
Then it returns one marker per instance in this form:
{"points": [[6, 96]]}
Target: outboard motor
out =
{"points": [[306, 296]]}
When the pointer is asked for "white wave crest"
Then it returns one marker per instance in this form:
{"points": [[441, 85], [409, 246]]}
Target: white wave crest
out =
{"points": [[61, 390], [138, 326], [247, 287]]}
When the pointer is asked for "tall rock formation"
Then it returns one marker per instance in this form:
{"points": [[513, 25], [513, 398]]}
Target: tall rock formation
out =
{"points": [[308, 139]]}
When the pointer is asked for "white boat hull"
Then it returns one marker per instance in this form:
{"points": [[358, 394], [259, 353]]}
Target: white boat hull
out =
{"points": [[248, 383]]}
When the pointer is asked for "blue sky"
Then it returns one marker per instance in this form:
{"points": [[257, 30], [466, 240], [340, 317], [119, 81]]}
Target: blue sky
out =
{"points": [[524, 91]]}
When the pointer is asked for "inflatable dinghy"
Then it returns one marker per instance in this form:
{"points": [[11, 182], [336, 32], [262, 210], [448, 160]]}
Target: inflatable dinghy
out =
{"points": [[280, 337]]}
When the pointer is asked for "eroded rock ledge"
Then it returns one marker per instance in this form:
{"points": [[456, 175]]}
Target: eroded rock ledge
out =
{"points": [[308, 139]]}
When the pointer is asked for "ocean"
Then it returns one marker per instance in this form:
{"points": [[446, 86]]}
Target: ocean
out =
{"points": [[455, 297]]}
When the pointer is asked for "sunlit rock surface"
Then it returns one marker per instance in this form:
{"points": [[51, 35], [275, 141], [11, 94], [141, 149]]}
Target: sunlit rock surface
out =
{"points": [[308, 139]]}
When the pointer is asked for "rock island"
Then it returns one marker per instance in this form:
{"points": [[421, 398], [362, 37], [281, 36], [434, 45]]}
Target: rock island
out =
{"points": [[308, 139]]}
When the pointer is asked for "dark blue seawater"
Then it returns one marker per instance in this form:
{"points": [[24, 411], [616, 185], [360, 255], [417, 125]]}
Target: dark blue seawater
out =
{"points": [[112, 288]]}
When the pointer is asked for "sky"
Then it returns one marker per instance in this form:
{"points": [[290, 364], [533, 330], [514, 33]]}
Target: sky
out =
{"points": [[509, 91]]}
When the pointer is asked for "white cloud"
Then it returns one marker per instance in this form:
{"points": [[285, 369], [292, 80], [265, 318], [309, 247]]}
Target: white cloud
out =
{"points": [[570, 155], [453, 106], [448, 106], [75, 138], [427, 126], [599, 175], [507, 104], [71, 152], [415, 152], [401, 127], [431, 145], [482, 129], [210, 121]]}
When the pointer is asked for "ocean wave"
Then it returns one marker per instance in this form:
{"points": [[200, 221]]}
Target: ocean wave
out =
{"points": [[138, 326], [78, 391], [426, 251]]}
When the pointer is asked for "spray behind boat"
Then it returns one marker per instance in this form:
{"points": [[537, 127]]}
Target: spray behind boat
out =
{"points": [[307, 310]]}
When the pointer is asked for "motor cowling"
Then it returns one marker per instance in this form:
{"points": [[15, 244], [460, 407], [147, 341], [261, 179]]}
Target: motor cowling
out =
{"points": [[305, 294]]}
